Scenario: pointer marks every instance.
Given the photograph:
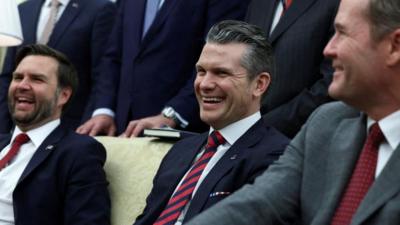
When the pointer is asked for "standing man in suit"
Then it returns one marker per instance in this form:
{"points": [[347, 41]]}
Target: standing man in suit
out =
{"points": [[81, 31], [343, 166], [298, 31], [150, 63], [48, 174], [233, 73]]}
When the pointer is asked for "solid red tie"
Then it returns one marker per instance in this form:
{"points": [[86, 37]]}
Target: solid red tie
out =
{"points": [[184, 193], [19, 140], [362, 178]]}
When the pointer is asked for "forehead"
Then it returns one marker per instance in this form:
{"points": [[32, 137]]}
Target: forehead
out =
{"points": [[37, 64], [352, 10], [222, 54]]}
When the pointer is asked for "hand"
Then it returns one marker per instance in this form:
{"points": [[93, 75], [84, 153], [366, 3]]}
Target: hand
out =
{"points": [[100, 124], [135, 127]]}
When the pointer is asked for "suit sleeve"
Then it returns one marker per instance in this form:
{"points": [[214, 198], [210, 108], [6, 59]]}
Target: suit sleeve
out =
{"points": [[100, 35], [185, 102], [87, 199], [5, 79]]}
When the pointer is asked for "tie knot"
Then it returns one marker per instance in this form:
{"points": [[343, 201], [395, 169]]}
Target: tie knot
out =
{"points": [[375, 134], [215, 139], [21, 139]]}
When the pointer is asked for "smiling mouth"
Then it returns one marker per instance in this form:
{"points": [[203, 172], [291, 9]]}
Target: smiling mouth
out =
{"points": [[212, 100], [23, 102]]}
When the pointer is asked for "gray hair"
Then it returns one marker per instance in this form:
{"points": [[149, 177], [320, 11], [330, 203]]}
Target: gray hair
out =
{"points": [[384, 16], [258, 57]]}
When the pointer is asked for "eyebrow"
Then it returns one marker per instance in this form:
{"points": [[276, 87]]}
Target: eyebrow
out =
{"points": [[34, 75]]}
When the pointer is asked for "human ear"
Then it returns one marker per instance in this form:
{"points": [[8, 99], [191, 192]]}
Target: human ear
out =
{"points": [[262, 82]]}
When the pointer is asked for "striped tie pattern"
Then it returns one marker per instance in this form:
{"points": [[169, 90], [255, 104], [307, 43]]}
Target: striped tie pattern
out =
{"points": [[184, 193], [362, 178]]}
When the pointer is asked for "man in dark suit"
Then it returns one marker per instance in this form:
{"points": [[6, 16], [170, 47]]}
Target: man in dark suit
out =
{"points": [[152, 70], [81, 32], [343, 166], [233, 73], [54, 176], [298, 35]]}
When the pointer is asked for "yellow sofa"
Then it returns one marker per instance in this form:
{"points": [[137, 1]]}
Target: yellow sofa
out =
{"points": [[130, 167]]}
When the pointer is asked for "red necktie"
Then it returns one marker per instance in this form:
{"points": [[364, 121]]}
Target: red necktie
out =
{"points": [[18, 141], [286, 4], [362, 178], [184, 193]]}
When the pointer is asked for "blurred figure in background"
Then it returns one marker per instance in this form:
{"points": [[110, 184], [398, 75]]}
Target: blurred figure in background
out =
{"points": [[298, 31]]}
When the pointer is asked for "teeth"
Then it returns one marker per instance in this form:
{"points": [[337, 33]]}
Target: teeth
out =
{"points": [[23, 99], [212, 99]]}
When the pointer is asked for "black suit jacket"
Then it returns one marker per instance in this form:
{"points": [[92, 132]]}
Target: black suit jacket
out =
{"points": [[81, 34], [302, 73], [64, 182], [251, 154]]}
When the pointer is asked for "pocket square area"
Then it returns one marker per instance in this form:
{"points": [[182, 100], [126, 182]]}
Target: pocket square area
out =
{"points": [[219, 193]]}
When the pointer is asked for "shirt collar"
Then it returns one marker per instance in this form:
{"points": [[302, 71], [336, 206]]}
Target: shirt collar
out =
{"points": [[235, 130], [390, 126], [38, 135]]}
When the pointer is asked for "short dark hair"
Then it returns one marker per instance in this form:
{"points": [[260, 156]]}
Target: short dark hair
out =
{"points": [[259, 56], [66, 74], [384, 16]]}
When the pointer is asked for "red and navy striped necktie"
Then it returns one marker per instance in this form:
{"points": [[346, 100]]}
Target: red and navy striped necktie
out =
{"points": [[184, 193]]}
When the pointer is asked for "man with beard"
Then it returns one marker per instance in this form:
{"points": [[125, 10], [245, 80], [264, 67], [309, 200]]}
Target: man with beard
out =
{"points": [[48, 174]]}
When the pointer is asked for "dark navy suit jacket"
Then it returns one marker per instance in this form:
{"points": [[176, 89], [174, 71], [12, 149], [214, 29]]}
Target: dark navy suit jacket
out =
{"points": [[251, 154], [64, 183], [159, 70], [81, 34], [302, 73]]}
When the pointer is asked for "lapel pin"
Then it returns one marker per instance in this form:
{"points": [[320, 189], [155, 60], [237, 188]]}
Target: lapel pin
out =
{"points": [[75, 5], [50, 147], [233, 157]]}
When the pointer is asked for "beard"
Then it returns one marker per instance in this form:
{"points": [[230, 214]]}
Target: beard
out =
{"points": [[43, 110]]}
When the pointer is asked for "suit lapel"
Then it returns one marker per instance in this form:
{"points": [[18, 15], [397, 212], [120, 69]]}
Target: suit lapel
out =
{"points": [[224, 165], [162, 14], [133, 35], [342, 156], [29, 20], [184, 162], [295, 11], [5, 140], [73, 8], [44, 150], [382, 190]]}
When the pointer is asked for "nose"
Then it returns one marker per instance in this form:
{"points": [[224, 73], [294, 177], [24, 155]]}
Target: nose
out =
{"points": [[23, 84], [206, 81], [330, 48]]}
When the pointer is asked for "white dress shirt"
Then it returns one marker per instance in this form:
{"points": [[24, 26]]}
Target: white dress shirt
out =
{"points": [[10, 175], [231, 133], [390, 126], [277, 16], [45, 13]]}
